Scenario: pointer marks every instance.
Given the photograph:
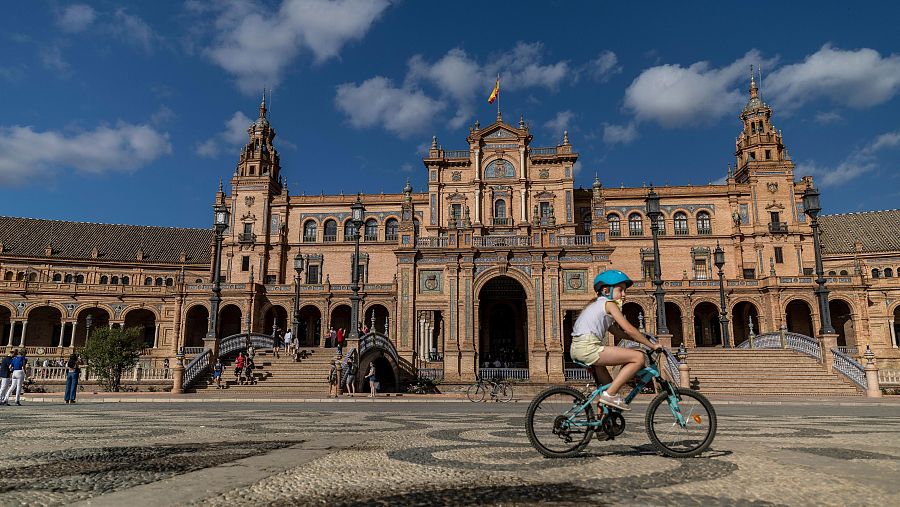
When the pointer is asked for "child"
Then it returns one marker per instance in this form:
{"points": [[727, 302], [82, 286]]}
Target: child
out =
{"points": [[589, 341], [217, 374]]}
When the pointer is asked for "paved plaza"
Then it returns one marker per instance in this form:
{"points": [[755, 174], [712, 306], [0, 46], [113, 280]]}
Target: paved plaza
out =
{"points": [[388, 453]]}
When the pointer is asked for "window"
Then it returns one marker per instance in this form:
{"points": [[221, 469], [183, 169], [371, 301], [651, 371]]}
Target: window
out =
{"points": [[57, 277], [309, 231], [312, 273], [415, 228], [148, 281], [371, 230], [681, 224], [752, 128], [32, 277], [125, 280], [169, 282], [500, 208], [876, 273], [774, 217], [455, 211], [614, 225], [779, 255], [8, 276], [21, 276], [104, 280], [768, 154], [114, 280], [198, 280], [349, 231], [704, 225], [749, 273], [270, 280], [752, 155], [391, 226], [67, 279], [248, 229], [79, 278], [159, 281], [700, 269], [844, 272], [635, 225], [245, 263], [661, 225], [648, 269], [330, 230], [832, 273], [888, 273], [545, 209], [807, 271]]}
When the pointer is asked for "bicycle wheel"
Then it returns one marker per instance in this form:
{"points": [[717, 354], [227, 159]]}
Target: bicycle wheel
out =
{"points": [[548, 426], [505, 393], [476, 392], [669, 438]]}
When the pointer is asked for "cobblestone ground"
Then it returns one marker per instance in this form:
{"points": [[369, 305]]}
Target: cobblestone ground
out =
{"points": [[431, 454]]}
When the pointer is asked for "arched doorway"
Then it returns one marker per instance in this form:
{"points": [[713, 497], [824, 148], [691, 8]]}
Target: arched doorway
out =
{"points": [[275, 316], [502, 336], [196, 324], [707, 328], [897, 326], [44, 327], [674, 323], [99, 319], [633, 313], [5, 324], [742, 314], [310, 330], [798, 317], [384, 372], [842, 322], [376, 318], [144, 319], [229, 321], [340, 317]]}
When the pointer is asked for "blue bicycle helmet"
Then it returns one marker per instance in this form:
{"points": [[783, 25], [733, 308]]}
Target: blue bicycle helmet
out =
{"points": [[610, 278]]}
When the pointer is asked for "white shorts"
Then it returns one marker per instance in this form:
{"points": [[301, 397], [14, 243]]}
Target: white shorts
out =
{"points": [[586, 348]]}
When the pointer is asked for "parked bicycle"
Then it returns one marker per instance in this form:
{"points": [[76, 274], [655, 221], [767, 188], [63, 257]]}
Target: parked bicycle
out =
{"points": [[681, 423], [499, 390]]}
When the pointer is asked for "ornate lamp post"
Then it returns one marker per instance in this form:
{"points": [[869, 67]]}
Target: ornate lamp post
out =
{"points": [[654, 214], [221, 223], [719, 261], [357, 213], [298, 267], [812, 207]]}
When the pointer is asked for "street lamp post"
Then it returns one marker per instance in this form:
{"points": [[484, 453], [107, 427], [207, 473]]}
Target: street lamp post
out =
{"points": [[357, 213], [298, 267], [221, 223], [653, 213], [812, 207], [719, 261]]}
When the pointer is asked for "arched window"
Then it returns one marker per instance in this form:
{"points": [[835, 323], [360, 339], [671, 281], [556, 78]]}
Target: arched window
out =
{"points": [[844, 272], [888, 273], [415, 228], [125, 280], [32, 277], [876, 273], [57, 277], [330, 230], [159, 281], [499, 169], [371, 230], [198, 280], [349, 230], [21, 276], [148, 281], [680, 224], [67, 279], [309, 231], [169, 282], [391, 227], [104, 280], [500, 213], [79, 279], [615, 228], [8, 276], [832, 273], [661, 224], [114, 280], [635, 225], [704, 226]]}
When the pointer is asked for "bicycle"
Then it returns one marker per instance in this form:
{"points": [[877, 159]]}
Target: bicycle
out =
{"points": [[500, 390], [560, 420]]}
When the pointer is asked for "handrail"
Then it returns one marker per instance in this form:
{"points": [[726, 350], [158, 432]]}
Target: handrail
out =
{"points": [[197, 366], [238, 342], [848, 367], [433, 374], [502, 241], [795, 341], [377, 340], [503, 373]]}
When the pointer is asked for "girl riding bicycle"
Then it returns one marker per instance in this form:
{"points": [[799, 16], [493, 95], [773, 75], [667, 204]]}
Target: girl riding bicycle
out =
{"points": [[589, 339]]}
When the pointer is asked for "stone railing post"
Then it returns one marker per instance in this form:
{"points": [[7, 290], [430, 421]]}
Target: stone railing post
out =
{"points": [[828, 341], [781, 331], [873, 389], [137, 373], [178, 374], [684, 371]]}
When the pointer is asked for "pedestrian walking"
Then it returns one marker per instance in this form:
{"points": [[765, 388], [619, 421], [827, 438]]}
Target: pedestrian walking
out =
{"points": [[334, 376], [332, 337], [289, 342], [350, 376], [166, 367], [248, 370], [72, 371], [5, 374], [276, 347], [373, 380], [217, 374], [239, 367], [340, 340], [18, 365]]}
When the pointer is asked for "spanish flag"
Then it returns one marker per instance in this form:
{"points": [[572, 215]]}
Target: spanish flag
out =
{"points": [[495, 92]]}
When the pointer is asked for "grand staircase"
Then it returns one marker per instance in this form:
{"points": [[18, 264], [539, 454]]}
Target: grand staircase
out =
{"points": [[281, 375], [763, 372]]}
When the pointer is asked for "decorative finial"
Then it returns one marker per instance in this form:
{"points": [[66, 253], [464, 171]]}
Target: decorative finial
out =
{"points": [[408, 187], [499, 116], [597, 181], [477, 125], [220, 185], [262, 105], [522, 121], [434, 144], [565, 137]]}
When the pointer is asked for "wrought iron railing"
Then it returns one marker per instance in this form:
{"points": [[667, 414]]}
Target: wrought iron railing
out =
{"points": [[236, 342], [615, 233], [433, 374], [503, 373], [379, 341], [576, 240], [246, 237], [390, 236], [196, 367], [848, 367], [502, 241], [681, 232], [704, 231], [778, 227], [787, 340]]}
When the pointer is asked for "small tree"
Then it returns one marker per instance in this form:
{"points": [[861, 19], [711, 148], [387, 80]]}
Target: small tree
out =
{"points": [[111, 351]]}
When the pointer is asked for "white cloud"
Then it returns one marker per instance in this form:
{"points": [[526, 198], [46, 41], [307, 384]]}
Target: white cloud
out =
{"points": [[52, 59], [208, 148], [859, 162], [456, 75], [827, 117], [403, 111], [406, 167], [255, 44], [619, 134], [135, 31], [856, 78], [560, 122], [604, 66], [125, 147], [162, 115], [672, 95], [235, 134], [75, 18]]}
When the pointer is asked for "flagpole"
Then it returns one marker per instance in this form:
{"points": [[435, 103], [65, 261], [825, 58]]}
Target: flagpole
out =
{"points": [[498, 97]]}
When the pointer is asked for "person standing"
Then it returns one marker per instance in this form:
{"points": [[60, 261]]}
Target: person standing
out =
{"points": [[18, 365], [288, 342], [350, 377], [332, 336], [239, 367], [72, 372], [340, 340], [217, 374], [373, 380], [5, 373]]}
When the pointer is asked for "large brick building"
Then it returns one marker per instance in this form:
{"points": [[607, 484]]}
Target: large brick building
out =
{"points": [[491, 264]]}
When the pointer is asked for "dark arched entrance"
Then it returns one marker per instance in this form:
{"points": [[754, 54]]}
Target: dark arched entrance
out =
{"points": [[376, 318], [502, 323], [309, 331], [897, 326], [99, 319], [842, 322], [743, 313], [633, 313], [44, 325], [145, 320], [674, 323], [384, 372], [196, 324], [229, 321], [275, 316], [5, 324], [707, 328], [340, 317], [798, 317]]}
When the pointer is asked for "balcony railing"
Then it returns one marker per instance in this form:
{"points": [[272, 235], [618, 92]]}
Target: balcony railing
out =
{"points": [[309, 239], [615, 233], [681, 232], [778, 227], [456, 153], [432, 242], [502, 241], [247, 237], [371, 237], [705, 231], [330, 238], [501, 221], [349, 237], [390, 236], [577, 240], [635, 232], [543, 151]]}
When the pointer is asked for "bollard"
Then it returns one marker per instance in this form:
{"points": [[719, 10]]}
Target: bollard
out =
{"points": [[178, 374], [684, 372], [873, 388]]}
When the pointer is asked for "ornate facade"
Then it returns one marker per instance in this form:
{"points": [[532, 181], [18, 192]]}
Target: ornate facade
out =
{"points": [[490, 265]]}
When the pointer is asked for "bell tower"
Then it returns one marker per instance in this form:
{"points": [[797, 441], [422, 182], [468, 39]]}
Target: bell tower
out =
{"points": [[759, 147], [259, 160]]}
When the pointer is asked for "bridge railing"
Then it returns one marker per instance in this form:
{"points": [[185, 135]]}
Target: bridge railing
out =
{"points": [[785, 340], [503, 373], [196, 367], [849, 368], [238, 342]]}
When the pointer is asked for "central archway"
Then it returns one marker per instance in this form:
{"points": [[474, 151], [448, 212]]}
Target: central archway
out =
{"points": [[707, 329], [503, 323]]}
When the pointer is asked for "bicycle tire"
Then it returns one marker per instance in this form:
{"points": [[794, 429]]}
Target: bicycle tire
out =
{"points": [[506, 392], [693, 449], [535, 407], [476, 392]]}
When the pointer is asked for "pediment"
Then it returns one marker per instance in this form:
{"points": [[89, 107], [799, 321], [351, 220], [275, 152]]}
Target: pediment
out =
{"points": [[456, 196], [500, 133]]}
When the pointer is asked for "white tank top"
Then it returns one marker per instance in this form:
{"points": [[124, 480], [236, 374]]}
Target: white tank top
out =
{"points": [[593, 320]]}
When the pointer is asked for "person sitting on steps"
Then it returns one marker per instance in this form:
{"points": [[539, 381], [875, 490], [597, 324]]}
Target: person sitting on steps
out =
{"points": [[589, 339]]}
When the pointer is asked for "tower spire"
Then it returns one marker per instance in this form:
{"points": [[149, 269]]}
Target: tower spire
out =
{"points": [[754, 91], [262, 105]]}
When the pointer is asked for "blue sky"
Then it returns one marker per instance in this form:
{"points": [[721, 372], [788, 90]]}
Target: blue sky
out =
{"points": [[130, 112]]}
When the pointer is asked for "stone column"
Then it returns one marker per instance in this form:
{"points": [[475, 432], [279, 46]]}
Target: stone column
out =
{"points": [[873, 389], [12, 329], [22, 340], [478, 206], [684, 373], [524, 206], [178, 376], [62, 333], [156, 336], [893, 333]]}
